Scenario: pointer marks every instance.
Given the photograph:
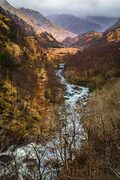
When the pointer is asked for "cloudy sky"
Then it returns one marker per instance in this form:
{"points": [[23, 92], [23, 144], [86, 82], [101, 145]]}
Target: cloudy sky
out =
{"points": [[77, 7]]}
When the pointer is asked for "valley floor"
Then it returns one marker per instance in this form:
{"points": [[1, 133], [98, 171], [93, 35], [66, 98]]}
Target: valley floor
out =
{"points": [[59, 53]]}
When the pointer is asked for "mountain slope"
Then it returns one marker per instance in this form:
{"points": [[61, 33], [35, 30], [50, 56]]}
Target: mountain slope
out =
{"points": [[30, 28], [98, 62], [111, 35], [73, 23], [26, 93], [6, 6], [37, 17], [105, 22], [94, 66], [45, 25], [57, 32], [114, 26], [85, 39]]}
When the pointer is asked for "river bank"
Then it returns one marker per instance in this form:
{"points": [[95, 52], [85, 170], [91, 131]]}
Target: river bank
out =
{"points": [[98, 157]]}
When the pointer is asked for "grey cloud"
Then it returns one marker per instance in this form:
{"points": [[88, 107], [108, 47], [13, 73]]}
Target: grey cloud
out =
{"points": [[78, 7]]}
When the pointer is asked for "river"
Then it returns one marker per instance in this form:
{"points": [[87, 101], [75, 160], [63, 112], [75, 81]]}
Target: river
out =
{"points": [[66, 142]]}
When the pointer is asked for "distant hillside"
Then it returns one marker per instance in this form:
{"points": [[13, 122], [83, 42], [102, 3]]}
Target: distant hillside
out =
{"points": [[85, 39], [114, 26], [111, 35], [104, 22], [46, 25], [74, 24]]}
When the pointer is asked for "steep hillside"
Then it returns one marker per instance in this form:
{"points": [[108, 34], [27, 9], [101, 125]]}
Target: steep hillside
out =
{"points": [[117, 24], [37, 17], [47, 40], [28, 25], [28, 86], [39, 27], [6, 6], [45, 25], [74, 24], [112, 34]]}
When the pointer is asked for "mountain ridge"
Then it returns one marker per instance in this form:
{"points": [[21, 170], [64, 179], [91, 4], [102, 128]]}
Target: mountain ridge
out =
{"points": [[85, 39], [57, 32], [8, 7], [73, 23], [46, 25], [28, 25], [111, 35], [105, 22]]}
